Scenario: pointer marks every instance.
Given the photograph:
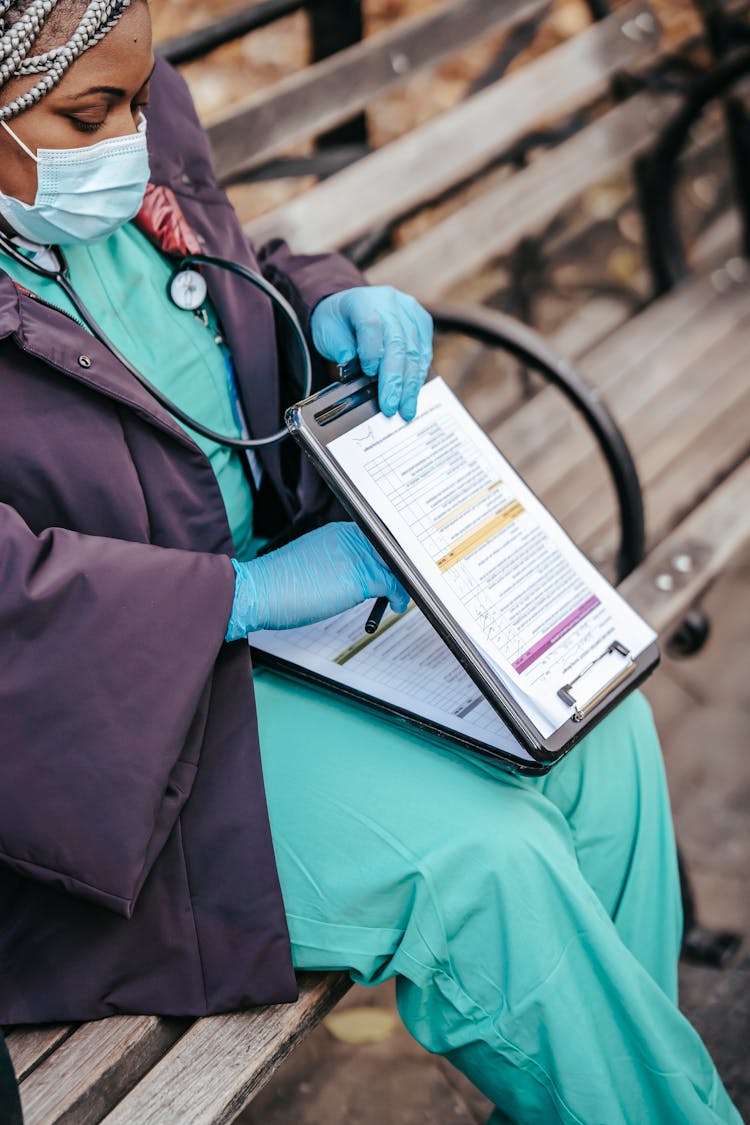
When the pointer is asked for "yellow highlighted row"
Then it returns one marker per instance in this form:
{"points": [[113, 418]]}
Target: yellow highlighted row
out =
{"points": [[459, 511], [367, 638], [481, 535]]}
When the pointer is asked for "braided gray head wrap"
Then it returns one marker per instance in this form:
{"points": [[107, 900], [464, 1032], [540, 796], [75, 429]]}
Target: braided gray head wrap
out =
{"points": [[17, 40]]}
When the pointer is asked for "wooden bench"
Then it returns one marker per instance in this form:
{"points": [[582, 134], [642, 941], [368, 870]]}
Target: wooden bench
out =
{"points": [[673, 375]]}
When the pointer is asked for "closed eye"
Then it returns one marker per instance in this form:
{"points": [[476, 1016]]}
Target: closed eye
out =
{"points": [[85, 126]]}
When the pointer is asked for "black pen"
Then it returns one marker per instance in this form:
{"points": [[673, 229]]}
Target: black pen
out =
{"points": [[376, 616]]}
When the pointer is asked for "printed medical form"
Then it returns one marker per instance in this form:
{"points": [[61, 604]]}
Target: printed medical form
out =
{"points": [[404, 663], [503, 569], [502, 565]]}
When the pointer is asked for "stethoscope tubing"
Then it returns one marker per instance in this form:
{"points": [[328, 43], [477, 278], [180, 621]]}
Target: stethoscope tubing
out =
{"points": [[60, 276]]}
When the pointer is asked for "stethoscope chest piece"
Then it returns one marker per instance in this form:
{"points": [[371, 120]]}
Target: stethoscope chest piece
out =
{"points": [[187, 289]]}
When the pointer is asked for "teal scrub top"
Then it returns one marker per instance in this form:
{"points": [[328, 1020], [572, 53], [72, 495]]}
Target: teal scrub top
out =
{"points": [[122, 280]]}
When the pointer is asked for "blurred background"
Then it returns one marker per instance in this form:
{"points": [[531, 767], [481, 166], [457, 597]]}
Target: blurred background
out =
{"points": [[260, 59]]}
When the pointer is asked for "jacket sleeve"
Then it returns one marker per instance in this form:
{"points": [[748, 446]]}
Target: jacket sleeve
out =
{"points": [[108, 650]]}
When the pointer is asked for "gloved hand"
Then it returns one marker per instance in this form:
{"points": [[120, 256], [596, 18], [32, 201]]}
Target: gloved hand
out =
{"points": [[389, 331], [316, 576]]}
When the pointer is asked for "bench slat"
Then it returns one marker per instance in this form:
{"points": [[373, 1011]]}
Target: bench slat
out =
{"points": [[713, 449], [329, 92], [28, 1047], [682, 399], [658, 405], [493, 223], [724, 442], [493, 390], [219, 1063], [711, 535], [92, 1069], [488, 383], [458, 143], [544, 422]]}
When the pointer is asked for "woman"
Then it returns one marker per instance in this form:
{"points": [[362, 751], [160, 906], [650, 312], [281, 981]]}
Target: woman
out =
{"points": [[533, 926]]}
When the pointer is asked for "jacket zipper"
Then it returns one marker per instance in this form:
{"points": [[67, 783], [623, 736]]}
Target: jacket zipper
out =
{"points": [[56, 308]]}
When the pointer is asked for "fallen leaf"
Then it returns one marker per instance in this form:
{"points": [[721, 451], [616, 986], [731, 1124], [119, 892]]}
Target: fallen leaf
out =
{"points": [[570, 18], [630, 225], [361, 1025], [623, 265]]}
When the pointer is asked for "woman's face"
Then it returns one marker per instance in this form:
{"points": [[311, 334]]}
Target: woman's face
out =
{"points": [[100, 96]]}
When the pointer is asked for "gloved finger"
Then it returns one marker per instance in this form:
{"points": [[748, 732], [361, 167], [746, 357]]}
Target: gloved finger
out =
{"points": [[400, 364], [391, 379], [332, 336], [380, 579], [414, 377], [399, 599], [420, 355], [424, 327], [370, 346], [342, 346], [414, 370]]}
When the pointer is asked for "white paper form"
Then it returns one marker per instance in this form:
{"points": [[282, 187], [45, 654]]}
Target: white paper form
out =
{"points": [[507, 573], [404, 663]]}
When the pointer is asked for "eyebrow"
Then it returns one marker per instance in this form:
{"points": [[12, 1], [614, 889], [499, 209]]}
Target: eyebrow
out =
{"points": [[114, 91]]}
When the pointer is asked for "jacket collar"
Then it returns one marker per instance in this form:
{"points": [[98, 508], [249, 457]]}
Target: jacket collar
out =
{"points": [[25, 316], [61, 342], [162, 221]]}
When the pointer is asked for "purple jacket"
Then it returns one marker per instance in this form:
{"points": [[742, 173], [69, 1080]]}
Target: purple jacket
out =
{"points": [[136, 867]]}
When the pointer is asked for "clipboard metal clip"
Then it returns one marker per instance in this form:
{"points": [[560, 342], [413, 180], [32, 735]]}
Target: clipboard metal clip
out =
{"points": [[345, 372], [599, 690]]}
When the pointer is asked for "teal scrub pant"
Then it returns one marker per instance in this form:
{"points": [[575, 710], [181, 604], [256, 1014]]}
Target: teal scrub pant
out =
{"points": [[532, 925]]}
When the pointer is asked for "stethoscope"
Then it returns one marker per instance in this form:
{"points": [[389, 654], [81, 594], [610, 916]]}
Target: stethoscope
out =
{"points": [[188, 289]]}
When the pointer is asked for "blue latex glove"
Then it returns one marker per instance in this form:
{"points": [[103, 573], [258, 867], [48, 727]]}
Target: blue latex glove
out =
{"points": [[389, 331], [316, 576]]}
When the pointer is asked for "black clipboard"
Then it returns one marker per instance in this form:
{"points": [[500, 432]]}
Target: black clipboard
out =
{"points": [[315, 423]]}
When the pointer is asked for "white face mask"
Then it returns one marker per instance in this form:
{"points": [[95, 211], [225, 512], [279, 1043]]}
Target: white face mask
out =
{"points": [[83, 194]]}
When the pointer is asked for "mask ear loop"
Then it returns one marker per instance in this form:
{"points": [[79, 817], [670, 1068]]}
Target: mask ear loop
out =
{"points": [[19, 142]]}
